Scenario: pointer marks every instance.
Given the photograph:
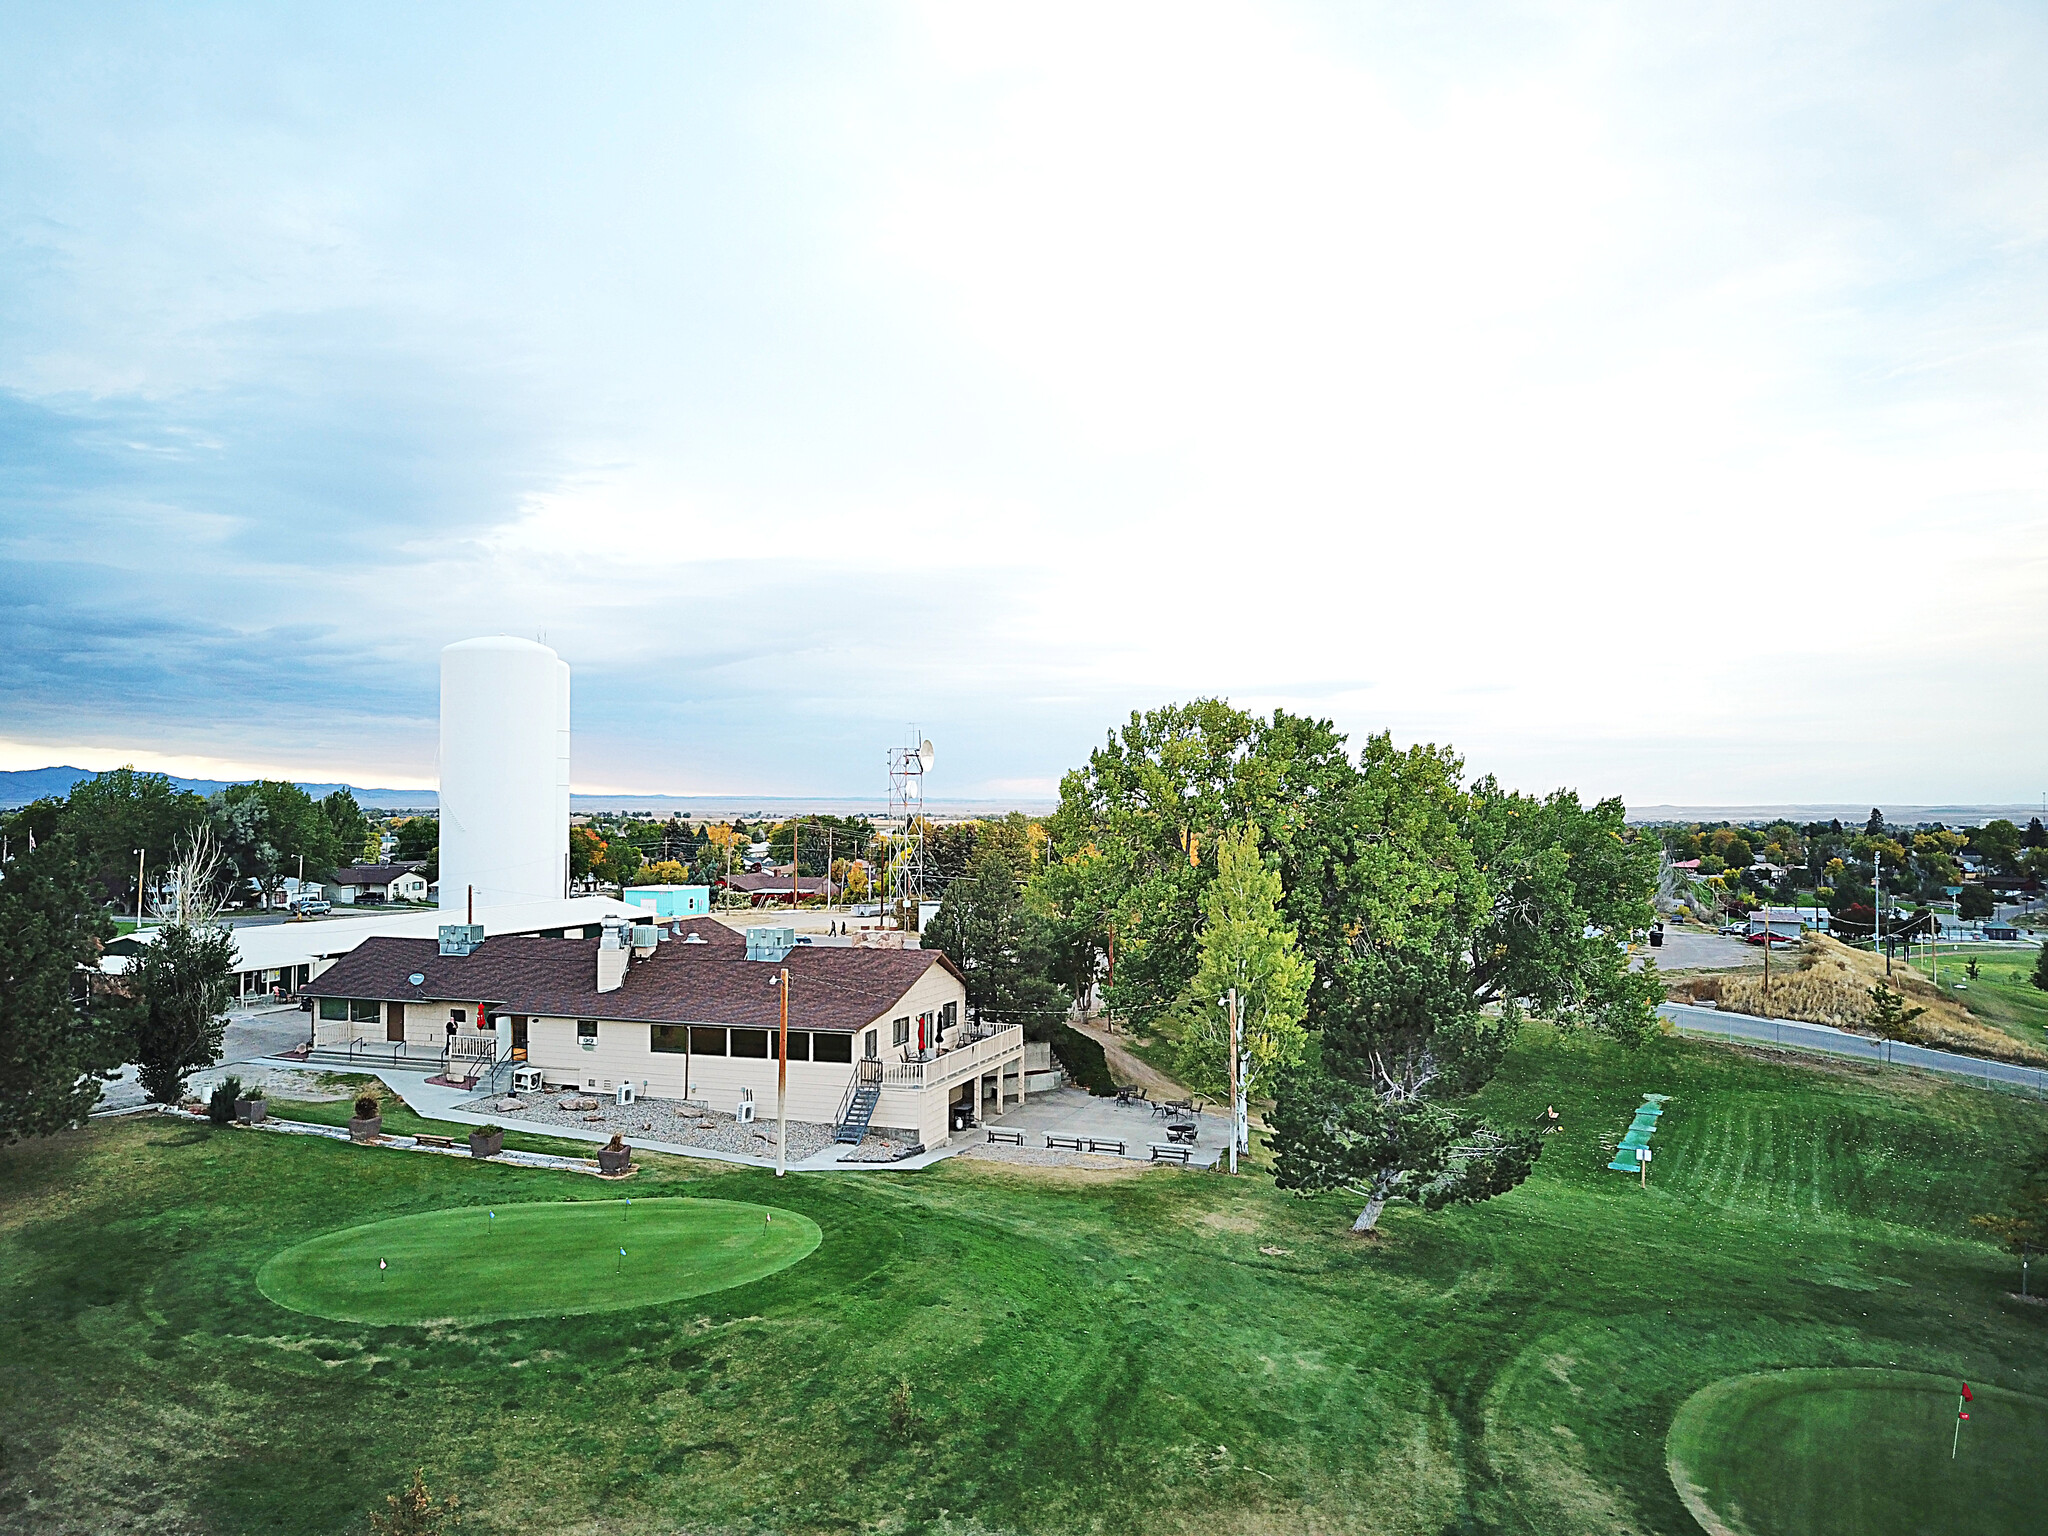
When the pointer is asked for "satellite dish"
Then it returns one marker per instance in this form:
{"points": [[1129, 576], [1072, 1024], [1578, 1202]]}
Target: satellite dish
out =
{"points": [[924, 753], [417, 979]]}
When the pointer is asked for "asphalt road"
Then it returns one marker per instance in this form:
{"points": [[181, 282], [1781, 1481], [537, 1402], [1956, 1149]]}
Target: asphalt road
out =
{"points": [[1839, 1042], [1688, 949], [251, 1035]]}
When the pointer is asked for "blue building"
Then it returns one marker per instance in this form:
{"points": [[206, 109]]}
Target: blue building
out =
{"points": [[670, 900]]}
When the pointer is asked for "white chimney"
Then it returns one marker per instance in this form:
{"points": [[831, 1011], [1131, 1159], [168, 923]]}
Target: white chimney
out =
{"points": [[611, 958]]}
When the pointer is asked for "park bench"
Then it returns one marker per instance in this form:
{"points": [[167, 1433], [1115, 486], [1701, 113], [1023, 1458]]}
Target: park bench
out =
{"points": [[434, 1141], [1105, 1144], [1171, 1154], [1064, 1143], [1013, 1138]]}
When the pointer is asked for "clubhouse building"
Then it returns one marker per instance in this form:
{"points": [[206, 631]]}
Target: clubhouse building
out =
{"points": [[681, 1009]]}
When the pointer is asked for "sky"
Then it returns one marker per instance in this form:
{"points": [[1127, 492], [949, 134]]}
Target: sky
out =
{"points": [[1648, 400]]}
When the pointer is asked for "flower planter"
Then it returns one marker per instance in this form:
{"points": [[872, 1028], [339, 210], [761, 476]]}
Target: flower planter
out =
{"points": [[486, 1143], [250, 1111], [365, 1130], [609, 1161]]}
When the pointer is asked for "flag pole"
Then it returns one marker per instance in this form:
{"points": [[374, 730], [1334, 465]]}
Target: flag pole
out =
{"points": [[1956, 1439]]}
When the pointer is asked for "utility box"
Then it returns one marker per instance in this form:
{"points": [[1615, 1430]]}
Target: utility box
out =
{"points": [[461, 938]]}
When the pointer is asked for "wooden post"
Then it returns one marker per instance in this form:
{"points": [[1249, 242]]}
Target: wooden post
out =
{"points": [[782, 1083]]}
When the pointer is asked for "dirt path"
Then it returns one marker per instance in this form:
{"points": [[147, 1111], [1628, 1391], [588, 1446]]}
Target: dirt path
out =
{"points": [[1126, 1068]]}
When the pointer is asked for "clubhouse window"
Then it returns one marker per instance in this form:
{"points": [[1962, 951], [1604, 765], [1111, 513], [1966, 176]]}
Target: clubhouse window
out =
{"points": [[706, 1042], [750, 1042], [672, 1039], [586, 1031], [899, 1032], [826, 1047], [799, 1045]]}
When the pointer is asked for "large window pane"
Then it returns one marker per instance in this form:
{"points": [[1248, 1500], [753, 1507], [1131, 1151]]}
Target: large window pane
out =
{"points": [[365, 1010], [826, 1047], [706, 1041], [750, 1042], [334, 1008], [668, 1038], [799, 1045]]}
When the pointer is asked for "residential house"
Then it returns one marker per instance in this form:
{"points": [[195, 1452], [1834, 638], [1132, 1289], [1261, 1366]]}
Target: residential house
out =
{"points": [[767, 888], [684, 1010], [375, 884]]}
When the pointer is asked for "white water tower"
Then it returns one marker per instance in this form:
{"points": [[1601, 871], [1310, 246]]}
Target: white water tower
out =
{"points": [[504, 773]]}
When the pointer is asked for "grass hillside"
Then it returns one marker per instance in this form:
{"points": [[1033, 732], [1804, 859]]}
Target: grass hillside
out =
{"points": [[978, 1348], [1826, 982], [2003, 994]]}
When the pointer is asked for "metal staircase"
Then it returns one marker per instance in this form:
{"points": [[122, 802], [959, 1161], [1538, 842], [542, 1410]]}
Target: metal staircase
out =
{"points": [[857, 1108]]}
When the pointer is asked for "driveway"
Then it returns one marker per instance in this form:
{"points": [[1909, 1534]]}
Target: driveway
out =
{"points": [[252, 1034], [1691, 950]]}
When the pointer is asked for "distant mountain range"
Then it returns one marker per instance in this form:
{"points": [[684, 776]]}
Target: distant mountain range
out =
{"points": [[22, 785], [1897, 815]]}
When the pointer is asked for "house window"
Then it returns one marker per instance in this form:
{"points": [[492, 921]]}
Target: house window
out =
{"points": [[706, 1042], [869, 1044], [334, 1008], [899, 1032], [799, 1045], [670, 1039], [586, 1034], [459, 1015], [750, 1042], [826, 1047], [949, 1015], [364, 1010]]}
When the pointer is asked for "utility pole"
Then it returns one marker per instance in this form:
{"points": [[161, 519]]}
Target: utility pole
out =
{"points": [[796, 860], [138, 889], [782, 1082], [828, 866], [1767, 960]]}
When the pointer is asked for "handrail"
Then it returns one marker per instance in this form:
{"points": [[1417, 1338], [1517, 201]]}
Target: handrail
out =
{"points": [[950, 1066]]}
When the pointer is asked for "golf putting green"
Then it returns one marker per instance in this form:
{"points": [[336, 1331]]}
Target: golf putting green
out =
{"points": [[1858, 1453], [535, 1260]]}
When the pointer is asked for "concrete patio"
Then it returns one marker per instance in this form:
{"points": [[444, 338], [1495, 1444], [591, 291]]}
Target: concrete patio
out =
{"points": [[1076, 1112]]}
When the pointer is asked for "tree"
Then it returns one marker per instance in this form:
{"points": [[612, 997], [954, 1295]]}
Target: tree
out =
{"points": [[1999, 843], [268, 827], [2036, 834], [666, 872], [59, 1040], [620, 865], [112, 814], [414, 1511], [2040, 975], [2023, 1225], [586, 851], [1249, 946], [1874, 827], [418, 838], [347, 826], [182, 981], [1974, 902], [985, 927], [1889, 1015]]}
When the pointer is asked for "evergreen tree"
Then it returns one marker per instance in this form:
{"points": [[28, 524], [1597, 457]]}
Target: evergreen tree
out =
{"points": [[58, 1039], [182, 981], [1001, 945], [2040, 976]]}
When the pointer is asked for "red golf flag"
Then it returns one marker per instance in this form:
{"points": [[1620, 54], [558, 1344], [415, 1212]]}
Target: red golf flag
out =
{"points": [[1967, 1397]]}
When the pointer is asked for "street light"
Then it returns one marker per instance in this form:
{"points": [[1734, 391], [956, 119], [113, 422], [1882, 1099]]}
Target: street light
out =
{"points": [[781, 980]]}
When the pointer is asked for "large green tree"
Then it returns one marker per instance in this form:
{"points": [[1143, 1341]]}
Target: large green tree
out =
{"points": [[181, 981], [269, 829], [350, 828], [60, 1038], [985, 926], [111, 815]]}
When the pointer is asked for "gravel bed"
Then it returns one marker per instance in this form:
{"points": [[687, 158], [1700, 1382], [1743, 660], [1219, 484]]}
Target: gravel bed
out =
{"points": [[675, 1121]]}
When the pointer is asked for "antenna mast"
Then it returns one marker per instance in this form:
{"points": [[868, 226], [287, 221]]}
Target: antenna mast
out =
{"points": [[907, 768]]}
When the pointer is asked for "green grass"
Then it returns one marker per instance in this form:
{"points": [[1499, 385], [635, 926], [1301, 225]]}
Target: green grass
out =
{"points": [[974, 1348], [399, 1120], [2002, 996], [534, 1259], [1861, 1453]]}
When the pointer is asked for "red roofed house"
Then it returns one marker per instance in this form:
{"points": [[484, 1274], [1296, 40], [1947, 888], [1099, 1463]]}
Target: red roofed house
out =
{"points": [[684, 1010]]}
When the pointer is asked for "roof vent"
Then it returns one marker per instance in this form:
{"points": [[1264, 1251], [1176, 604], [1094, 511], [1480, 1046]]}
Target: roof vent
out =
{"points": [[770, 944], [461, 938]]}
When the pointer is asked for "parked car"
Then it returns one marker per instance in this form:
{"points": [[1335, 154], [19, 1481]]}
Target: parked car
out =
{"points": [[313, 906]]}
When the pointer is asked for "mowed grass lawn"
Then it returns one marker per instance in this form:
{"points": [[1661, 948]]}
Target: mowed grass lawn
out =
{"points": [[974, 1348], [2003, 995]]}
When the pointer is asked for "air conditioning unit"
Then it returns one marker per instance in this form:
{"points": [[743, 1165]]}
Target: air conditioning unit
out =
{"points": [[744, 1114], [526, 1079], [625, 1094]]}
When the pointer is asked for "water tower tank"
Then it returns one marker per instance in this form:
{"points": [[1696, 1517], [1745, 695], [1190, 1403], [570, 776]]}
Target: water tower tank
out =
{"points": [[504, 773]]}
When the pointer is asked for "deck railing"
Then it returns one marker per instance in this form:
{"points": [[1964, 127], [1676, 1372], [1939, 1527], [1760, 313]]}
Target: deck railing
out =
{"points": [[951, 1066]]}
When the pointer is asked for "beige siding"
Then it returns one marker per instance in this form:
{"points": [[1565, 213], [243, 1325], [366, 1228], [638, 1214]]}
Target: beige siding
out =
{"points": [[623, 1054]]}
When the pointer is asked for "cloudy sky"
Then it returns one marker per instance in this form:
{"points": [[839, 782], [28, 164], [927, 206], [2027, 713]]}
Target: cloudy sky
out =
{"points": [[1649, 399]]}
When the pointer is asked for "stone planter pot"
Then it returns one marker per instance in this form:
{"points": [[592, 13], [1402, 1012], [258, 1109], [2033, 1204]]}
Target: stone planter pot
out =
{"points": [[609, 1161], [250, 1111], [365, 1130], [486, 1143]]}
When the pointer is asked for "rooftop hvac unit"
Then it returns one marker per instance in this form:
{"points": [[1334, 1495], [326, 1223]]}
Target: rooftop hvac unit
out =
{"points": [[461, 938], [625, 1094], [770, 944]]}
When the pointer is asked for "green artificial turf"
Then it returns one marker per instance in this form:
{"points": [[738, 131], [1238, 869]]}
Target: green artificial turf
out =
{"points": [[534, 1259], [1861, 1453], [979, 1348]]}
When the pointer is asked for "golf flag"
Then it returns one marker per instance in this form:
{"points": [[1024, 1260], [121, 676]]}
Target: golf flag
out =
{"points": [[1968, 1396], [381, 1266], [622, 1253]]}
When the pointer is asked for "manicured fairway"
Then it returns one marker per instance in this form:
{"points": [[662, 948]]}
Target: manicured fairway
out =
{"points": [[480, 1264], [1860, 1453]]}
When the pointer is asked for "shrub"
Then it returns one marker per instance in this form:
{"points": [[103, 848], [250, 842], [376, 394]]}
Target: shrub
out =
{"points": [[414, 1512], [220, 1105], [1084, 1060], [368, 1105]]}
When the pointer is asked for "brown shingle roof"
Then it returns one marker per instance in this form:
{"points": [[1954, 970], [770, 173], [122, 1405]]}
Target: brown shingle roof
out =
{"points": [[372, 874], [709, 983]]}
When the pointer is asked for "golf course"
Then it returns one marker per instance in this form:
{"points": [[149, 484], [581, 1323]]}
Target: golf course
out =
{"points": [[1768, 1339]]}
